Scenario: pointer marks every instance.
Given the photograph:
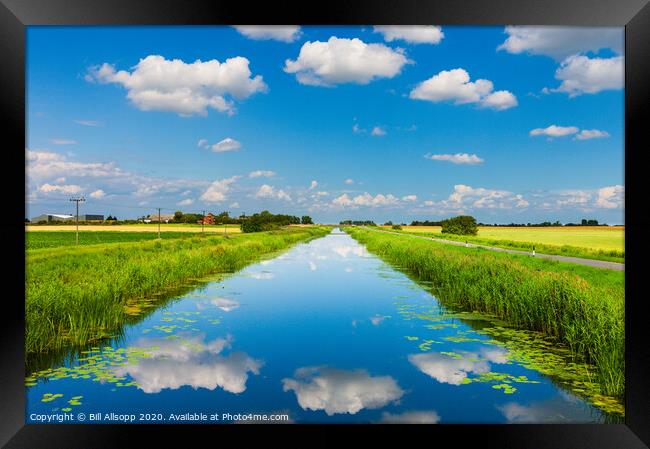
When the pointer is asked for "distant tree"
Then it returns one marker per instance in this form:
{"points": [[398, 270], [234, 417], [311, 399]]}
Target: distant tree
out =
{"points": [[388, 223], [461, 225], [397, 227], [306, 219], [426, 223], [178, 216], [250, 225], [266, 221]]}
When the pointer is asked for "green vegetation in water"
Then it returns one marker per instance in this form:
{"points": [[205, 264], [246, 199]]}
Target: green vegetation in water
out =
{"points": [[96, 365], [76, 295], [583, 308], [611, 255], [531, 349]]}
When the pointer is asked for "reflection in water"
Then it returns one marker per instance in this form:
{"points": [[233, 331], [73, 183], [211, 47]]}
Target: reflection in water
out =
{"points": [[454, 370], [340, 391], [414, 417], [377, 320], [225, 304], [552, 411], [349, 250], [190, 361], [297, 307]]}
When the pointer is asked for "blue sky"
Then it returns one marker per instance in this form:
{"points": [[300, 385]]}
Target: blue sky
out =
{"points": [[519, 124]]}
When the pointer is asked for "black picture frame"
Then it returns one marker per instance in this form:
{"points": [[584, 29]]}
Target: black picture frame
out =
{"points": [[15, 15]]}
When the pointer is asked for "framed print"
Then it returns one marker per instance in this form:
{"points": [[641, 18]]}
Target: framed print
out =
{"points": [[422, 214]]}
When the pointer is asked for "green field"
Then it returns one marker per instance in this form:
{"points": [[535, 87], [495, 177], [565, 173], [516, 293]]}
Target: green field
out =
{"points": [[75, 295], [583, 307], [591, 242], [53, 239]]}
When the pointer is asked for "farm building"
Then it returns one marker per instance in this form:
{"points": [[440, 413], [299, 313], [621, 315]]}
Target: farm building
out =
{"points": [[164, 218], [49, 218], [91, 217], [209, 219]]}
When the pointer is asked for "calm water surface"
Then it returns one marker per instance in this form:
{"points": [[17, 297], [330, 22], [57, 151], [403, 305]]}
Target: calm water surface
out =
{"points": [[325, 332]]}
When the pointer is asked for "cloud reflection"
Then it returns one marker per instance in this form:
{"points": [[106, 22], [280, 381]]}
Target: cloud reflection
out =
{"points": [[412, 417], [225, 304], [190, 362], [449, 370], [262, 275], [556, 410], [340, 391], [347, 250]]}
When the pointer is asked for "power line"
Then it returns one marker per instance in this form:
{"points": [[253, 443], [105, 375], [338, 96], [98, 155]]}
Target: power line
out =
{"points": [[78, 200]]}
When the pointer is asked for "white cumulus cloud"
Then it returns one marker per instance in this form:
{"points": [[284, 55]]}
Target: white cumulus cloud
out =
{"points": [[63, 141], [261, 173], [587, 134], [225, 145], [159, 84], [413, 34], [610, 197], [458, 158], [217, 191], [378, 131], [313, 185], [185, 202], [267, 191], [365, 199], [341, 60], [554, 131], [66, 189], [283, 33], [97, 194], [93, 123], [455, 85], [582, 75], [560, 42]]}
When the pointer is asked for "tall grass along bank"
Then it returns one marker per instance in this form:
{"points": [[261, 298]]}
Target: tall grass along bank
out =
{"points": [[77, 295], [583, 308]]}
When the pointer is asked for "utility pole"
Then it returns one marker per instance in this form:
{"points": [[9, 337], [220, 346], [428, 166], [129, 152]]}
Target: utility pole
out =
{"points": [[78, 200], [159, 223], [203, 223]]}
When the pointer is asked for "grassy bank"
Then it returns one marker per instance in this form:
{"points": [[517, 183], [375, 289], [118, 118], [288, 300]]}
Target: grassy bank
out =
{"points": [[612, 255], [76, 295], [54, 239], [581, 306]]}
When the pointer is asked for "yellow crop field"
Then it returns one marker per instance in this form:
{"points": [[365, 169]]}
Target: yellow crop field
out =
{"points": [[137, 228], [594, 237]]}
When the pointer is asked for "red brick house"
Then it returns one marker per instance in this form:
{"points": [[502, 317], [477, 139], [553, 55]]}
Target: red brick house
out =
{"points": [[209, 219]]}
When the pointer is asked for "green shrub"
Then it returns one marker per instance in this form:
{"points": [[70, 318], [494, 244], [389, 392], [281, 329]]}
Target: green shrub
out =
{"points": [[461, 225]]}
